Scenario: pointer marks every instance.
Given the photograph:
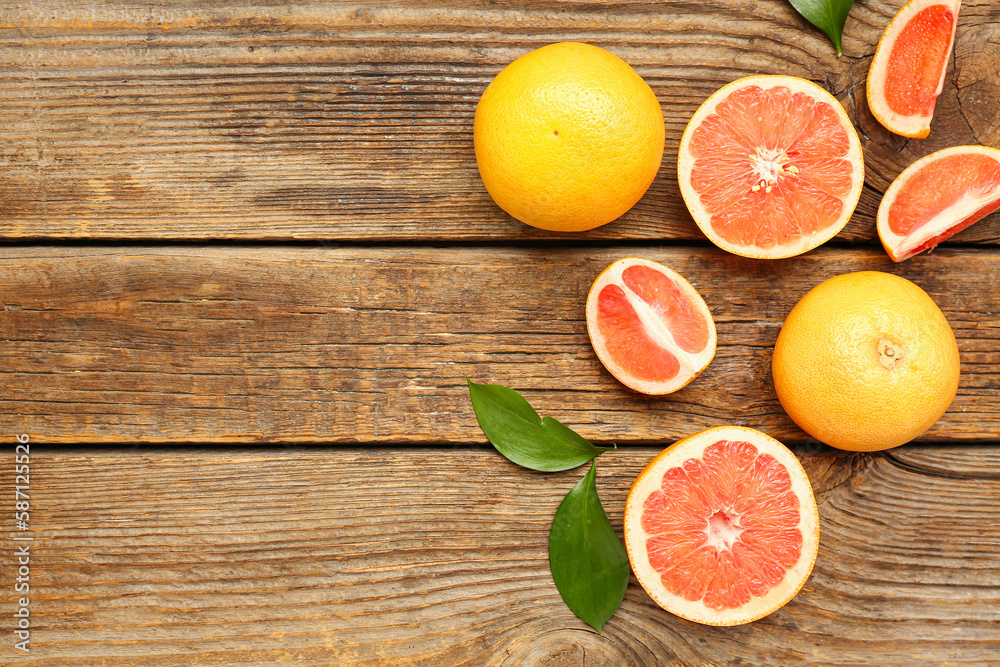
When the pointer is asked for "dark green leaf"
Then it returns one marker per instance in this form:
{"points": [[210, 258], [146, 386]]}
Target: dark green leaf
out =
{"points": [[827, 15], [588, 562], [517, 432]]}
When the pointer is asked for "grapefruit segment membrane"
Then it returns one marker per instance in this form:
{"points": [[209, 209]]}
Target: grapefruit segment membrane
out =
{"points": [[770, 167], [722, 527], [908, 70], [649, 327], [938, 196]]}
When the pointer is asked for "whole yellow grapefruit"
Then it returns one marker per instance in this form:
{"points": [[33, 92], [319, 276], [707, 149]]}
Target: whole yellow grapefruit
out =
{"points": [[568, 137], [866, 361]]}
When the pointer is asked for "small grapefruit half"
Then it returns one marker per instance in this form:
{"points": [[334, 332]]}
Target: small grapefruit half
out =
{"points": [[938, 196], [649, 327], [770, 166], [722, 527], [907, 73]]}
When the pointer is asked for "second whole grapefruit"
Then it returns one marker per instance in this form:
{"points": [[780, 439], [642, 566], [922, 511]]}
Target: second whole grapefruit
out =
{"points": [[866, 361]]}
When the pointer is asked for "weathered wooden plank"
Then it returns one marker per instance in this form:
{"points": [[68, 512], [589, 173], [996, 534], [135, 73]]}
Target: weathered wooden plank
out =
{"points": [[358, 344], [438, 557], [332, 121]]}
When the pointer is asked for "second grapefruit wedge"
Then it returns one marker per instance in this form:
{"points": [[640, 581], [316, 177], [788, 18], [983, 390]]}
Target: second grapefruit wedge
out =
{"points": [[938, 196], [770, 166], [649, 327], [907, 73]]}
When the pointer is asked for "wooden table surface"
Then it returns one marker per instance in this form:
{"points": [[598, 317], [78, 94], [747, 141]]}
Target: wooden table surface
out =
{"points": [[247, 262]]}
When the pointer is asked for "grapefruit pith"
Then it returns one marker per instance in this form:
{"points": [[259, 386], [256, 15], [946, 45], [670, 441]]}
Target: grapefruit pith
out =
{"points": [[908, 70], [770, 167], [938, 196], [865, 361], [722, 527], [649, 327]]}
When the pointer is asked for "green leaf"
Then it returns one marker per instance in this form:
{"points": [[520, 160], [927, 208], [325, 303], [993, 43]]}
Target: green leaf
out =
{"points": [[827, 15], [517, 432], [588, 562]]}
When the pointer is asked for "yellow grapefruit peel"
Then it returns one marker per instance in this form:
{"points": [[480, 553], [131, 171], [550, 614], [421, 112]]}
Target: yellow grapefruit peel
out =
{"points": [[568, 137], [865, 361]]}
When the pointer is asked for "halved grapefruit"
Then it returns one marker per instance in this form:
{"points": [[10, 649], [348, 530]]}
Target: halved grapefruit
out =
{"points": [[722, 527], [938, 196], [907, 73], [649, 327], [770, 166]]}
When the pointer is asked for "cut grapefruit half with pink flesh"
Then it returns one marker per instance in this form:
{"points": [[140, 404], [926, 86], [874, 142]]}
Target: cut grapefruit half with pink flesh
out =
{"points": [[911, 60], [722, 527], [770, 167], [938, 196], [649, 327]]}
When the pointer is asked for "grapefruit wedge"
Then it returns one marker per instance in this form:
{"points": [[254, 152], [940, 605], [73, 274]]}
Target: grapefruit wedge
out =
{"points": [[722, 528], [907, 73], [649, 327], [770, 166], [938, 196]]}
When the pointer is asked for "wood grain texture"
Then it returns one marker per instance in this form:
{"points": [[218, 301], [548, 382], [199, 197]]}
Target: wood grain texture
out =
{"points": [[355, 345], [304, 556], [302, 120], [348, 127]]}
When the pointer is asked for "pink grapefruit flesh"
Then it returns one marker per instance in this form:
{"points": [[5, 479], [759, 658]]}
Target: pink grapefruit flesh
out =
{"points": [[770, 166], [938, 196], [648, 326]]}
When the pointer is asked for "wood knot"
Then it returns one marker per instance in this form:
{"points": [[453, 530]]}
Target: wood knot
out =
{"points": [[564, 648]]}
